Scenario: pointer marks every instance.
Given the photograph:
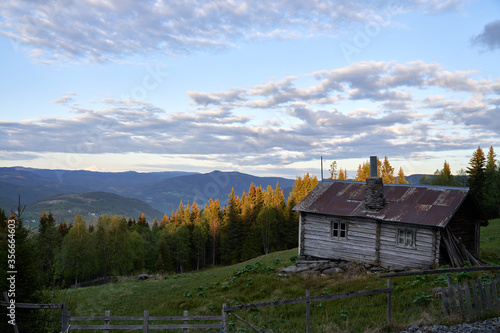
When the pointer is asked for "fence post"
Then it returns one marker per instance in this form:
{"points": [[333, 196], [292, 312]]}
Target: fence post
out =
{"points": [[224, 318], [185, 321], [452, 302], [494, 290], [106, 319], [63, 317], [68, 325], [308, 313], [145, 322], [389, 316], [461, 301], [481, 295]]}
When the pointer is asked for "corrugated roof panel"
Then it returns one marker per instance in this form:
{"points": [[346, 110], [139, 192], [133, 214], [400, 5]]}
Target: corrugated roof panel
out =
{"points": [[424, 205]]}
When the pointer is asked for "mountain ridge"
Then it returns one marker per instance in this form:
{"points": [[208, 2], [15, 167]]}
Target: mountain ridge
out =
{"points": [[162, 191]]}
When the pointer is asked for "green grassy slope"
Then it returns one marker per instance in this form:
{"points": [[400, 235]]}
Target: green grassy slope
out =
{"points": [[204, 292], [490, 242]]}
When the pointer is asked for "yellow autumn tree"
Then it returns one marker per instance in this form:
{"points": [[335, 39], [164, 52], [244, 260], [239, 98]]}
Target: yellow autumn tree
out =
{"points": [[401, 177], [387, 172]]}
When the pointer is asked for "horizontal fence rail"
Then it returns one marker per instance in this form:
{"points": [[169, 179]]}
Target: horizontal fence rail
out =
{"points": [[230, 309], [146, 319], [441, 271], [309, 299]]}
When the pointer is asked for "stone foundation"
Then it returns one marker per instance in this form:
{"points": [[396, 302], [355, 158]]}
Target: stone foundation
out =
{"points": [[311, 265]]}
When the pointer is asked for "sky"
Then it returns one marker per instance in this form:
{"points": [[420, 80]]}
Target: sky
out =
{"points": [[261, 87]]}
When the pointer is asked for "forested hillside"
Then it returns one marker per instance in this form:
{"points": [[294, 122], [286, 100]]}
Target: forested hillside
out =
{"points": [[255, 222], [89, 205]]}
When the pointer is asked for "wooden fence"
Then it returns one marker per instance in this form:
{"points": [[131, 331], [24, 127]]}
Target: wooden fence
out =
{"points": [[145, 325], [230, 309], [471, 298], [468, 302], [73, 323]]}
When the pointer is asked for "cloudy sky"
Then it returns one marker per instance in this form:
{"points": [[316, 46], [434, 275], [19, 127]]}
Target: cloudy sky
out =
{"points": [[260, 87]]}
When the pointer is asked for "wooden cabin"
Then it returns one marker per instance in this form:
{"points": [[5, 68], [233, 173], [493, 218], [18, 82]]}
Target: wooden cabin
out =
{"points": [[390, 226]]}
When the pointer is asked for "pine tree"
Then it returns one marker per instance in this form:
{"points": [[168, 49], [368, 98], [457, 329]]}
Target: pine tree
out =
{"points": [[212, 214], [267, 224], [443, 177], [48, 244], [279, 198], [359, 177], [155, 225], [164, 262], [401, 177], [141, 221], [476, 174], [387, 172], [27, 284], [199, 242], [301, 188], [232, 231], [164, 221], [363, 172], [342, 174], [63, 229], [491, 186]]}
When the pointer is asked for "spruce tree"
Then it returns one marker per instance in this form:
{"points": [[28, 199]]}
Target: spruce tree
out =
{"points": [[491, 186], [232, 231], [443, 177], [477, 165], [48, 244], [21, 244]]}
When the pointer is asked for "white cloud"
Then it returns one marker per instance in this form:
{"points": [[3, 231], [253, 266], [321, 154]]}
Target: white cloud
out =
{"points": [[112, 30], [382, 116]]}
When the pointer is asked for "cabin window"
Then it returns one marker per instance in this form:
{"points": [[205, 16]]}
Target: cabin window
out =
{"points": [[339, 229], [406, 237]]}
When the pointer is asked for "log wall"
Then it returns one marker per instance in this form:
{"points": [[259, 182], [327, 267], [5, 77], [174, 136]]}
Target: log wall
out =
{"points": [[421, 255], [368, 241], [359, 245]]}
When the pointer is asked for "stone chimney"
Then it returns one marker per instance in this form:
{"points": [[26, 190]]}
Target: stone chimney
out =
{"points": [[374, 194]]}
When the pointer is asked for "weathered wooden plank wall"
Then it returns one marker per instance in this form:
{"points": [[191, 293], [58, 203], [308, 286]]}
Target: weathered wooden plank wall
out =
{"points": [[358, 246], [370, 242], [392, 255]]}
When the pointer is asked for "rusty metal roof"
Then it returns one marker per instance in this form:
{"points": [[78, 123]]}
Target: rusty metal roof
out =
{"points": [[414, 204]]}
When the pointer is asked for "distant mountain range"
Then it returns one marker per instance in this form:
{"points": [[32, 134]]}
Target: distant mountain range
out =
{"points": [[66, 193]]}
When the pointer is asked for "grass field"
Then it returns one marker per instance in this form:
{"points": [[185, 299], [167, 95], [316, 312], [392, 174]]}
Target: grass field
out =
{"points": [[204, 292], [490, 242]]}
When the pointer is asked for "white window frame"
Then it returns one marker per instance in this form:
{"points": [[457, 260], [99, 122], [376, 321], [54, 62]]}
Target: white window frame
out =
{"points": [[406, 237], [338, 229]]}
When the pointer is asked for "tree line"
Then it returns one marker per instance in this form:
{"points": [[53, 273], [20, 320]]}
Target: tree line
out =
{"points": [[482, 176], [384, 170], [257, 222]]}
